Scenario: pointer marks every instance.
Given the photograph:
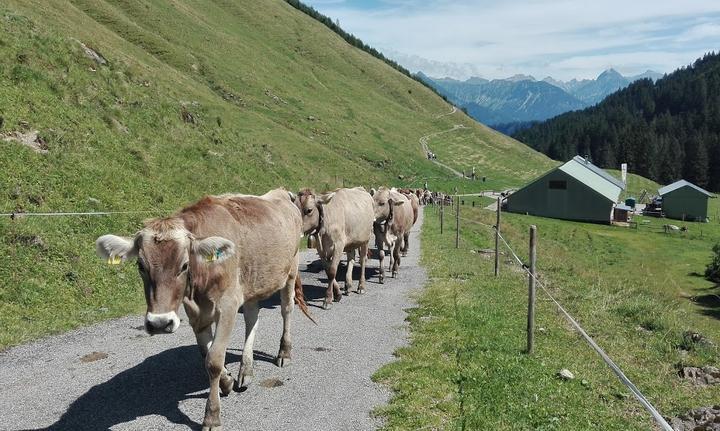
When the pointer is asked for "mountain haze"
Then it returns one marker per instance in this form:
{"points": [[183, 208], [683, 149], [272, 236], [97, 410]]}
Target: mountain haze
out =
{"points": [[515, 102]]}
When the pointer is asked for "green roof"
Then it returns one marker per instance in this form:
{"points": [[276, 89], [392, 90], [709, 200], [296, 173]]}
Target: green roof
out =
{"points": [[680, 184], [581, 172]]}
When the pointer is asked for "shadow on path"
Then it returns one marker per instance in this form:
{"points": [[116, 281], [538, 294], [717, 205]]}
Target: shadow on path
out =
{"points": [[709, 301], [154, 387]]}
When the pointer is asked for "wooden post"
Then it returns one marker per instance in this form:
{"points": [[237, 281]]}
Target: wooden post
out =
{"points": [[531, 291], [442, 210], [457, 224], [497, 238]]}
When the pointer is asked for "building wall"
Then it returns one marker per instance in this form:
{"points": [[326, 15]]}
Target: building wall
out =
{"points": [[576, 202], [685, 201]]}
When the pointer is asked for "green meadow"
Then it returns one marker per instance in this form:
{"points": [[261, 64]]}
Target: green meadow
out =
{"points": [[638, 292]]}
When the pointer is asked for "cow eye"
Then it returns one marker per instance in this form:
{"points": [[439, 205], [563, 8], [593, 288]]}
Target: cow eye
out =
{"points": [[382, 204], [184, 267], [308, 211]]}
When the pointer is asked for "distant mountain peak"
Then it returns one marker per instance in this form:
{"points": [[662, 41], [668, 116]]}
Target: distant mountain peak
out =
{"points": [[520, 77], [610, 74]]}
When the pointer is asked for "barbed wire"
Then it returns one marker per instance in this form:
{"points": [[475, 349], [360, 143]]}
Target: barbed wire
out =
{"points": [[16, 215], [610, 363]]}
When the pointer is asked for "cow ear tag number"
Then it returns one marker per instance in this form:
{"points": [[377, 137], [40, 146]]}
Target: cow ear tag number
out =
{"points": [[114, 260]]}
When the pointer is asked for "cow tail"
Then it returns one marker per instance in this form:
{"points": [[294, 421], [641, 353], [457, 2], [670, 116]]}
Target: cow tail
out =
{"points": [[300, 298]]}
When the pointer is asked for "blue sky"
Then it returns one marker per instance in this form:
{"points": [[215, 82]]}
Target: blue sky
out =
{"points": [[561, 38]]}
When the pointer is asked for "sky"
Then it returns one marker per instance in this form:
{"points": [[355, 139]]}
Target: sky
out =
{"points": [[564, 39]]}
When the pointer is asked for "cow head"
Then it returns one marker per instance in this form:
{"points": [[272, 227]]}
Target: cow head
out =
{"points": [[311, 209], [384, 204], [166, 254]]}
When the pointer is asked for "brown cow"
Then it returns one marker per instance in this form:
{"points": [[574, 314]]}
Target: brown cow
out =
{"points": [[393, 217], [341, 221], [221, 253], [415, 205]]}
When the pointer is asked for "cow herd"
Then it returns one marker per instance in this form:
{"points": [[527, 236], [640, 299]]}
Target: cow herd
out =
{"points": [[233, 250]]}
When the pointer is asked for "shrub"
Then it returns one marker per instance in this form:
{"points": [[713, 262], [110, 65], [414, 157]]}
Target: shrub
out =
{"points": [[712, 272]]}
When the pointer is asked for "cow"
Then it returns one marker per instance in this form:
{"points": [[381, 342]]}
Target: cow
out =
{"points": [[427, 198], [214, 256], [393, 217], [340, 221], [415, 205]]}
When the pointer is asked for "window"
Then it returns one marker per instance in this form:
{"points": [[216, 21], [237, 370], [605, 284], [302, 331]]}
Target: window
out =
{"points": [[558, 185]]}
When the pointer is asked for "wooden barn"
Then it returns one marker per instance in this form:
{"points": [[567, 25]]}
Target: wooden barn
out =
{"points": [[684, 200], [576, 190]]}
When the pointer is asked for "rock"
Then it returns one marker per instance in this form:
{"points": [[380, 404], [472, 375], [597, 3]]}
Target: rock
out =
{"points": [[93, 202], [31, 241], [704, 376], [93, 54], [703, 418], [565, 374], [311, 118], [30, 139]]}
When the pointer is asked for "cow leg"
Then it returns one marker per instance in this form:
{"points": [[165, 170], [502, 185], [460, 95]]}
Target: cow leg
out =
{"points": [[363, 258], [396, 257], [287, 301], [406, 244], [204, 337], [350, 268], [215, 365], [245, 376], [333, 286], [391, 253]]}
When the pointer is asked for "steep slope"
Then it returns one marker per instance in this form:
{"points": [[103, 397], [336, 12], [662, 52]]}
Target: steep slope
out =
{"points": [[665, 130], [193, 98]]}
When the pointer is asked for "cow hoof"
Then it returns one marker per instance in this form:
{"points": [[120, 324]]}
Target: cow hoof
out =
{"points": [[361, 290], [226, 384], [327, 305], [282, 362], [394, 274], [212, 428], [242, 383], [382, 280]]}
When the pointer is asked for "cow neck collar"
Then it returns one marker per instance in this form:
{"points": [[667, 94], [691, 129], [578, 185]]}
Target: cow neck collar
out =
{"points": [[321, 220]]}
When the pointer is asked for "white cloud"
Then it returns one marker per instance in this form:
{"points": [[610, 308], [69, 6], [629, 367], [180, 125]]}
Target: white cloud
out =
{"points": [[541, 37]]}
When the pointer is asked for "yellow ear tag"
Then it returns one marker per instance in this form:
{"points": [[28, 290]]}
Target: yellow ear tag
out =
{"points": [[213, 257], [114, 260]]}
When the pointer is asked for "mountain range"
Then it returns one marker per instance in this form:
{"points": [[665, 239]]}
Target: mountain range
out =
{"points": [[513, 103], [664, 130]]}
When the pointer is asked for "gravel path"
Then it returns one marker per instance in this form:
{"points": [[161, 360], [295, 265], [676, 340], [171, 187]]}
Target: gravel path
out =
{"points": [[114, 376]]}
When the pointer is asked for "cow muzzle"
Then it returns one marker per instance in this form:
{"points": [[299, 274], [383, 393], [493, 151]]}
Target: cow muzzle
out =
{"points": [[162, 323]]}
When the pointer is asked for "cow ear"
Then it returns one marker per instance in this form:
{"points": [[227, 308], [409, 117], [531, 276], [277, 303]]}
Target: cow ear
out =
{"points": [[326, 198], [115, 249], [292, 196], [373, 191], [213, 249], [398, 203]]}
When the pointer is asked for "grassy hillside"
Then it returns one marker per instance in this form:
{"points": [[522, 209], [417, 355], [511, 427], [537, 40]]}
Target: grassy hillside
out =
{"points": [[638, 293], [196, 97]]}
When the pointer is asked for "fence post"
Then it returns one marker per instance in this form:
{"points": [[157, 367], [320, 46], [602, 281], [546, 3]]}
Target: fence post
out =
{"points": [[457, 224], [531, 291], [442, 211], [497, 238]]}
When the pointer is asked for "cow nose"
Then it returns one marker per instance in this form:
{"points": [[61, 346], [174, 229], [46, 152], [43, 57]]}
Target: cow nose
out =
{"points": [[161, 323]]}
